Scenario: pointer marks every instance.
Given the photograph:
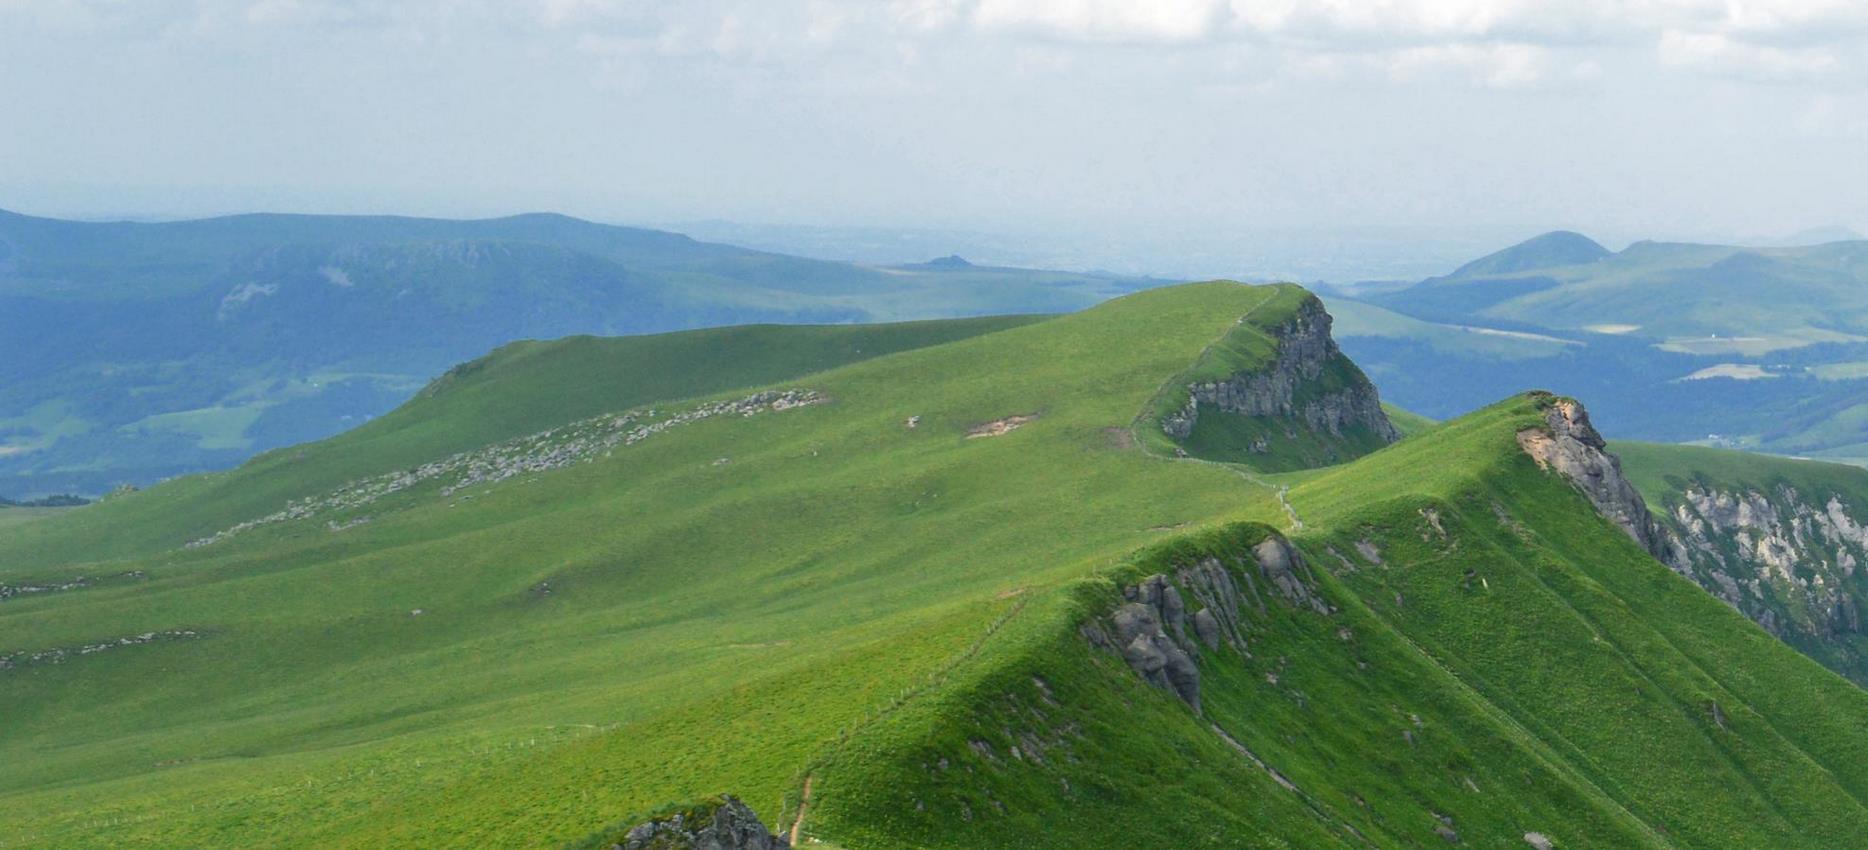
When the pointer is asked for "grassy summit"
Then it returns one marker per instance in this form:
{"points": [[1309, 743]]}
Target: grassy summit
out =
{"points": [[514, 613]]}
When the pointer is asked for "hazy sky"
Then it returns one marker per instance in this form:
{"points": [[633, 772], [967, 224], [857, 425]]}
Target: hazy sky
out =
{"points": [[1646, 116]]}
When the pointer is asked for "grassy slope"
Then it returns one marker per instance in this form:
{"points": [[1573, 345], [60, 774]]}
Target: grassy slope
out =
{"points": [[216, 339], [1407, 422], [1660, 470], [518, 389], [1565, 625], [1358, 318], [888, 611], [1522, 668], [737, 615]]}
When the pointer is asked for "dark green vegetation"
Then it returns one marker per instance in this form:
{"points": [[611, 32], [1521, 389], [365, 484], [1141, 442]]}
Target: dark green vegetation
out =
{"points": [[1757, 348], [887, 593], [134, 352]]}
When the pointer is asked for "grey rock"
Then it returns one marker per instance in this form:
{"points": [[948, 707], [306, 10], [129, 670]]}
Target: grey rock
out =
{"points": [[1570, 446], [1146, 645], [1305, 349], [1220, 619], [1207, 627], [1280, 564], [729, 825]]}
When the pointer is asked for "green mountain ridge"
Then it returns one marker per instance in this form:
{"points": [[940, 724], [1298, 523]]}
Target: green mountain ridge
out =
{"points": [[938, 585], [133, 352]]}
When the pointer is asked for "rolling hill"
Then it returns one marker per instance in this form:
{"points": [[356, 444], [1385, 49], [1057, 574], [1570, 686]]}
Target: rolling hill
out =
{"points": [[1756, 348], [1702, 298], [132, 352], [1157, 573]]}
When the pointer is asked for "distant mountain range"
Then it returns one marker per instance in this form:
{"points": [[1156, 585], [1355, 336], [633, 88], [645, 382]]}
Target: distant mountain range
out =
{"points": [[132, 352], [1763, 348]]}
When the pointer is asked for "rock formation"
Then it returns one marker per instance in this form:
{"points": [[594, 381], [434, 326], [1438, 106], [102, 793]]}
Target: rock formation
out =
{"points": [[1292, 387], [1784, 559], [724, 823], [1781, 558], [1142, 628], [1570, 446], [1150, 629]]}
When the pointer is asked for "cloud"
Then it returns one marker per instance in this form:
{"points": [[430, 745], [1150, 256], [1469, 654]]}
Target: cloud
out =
{"points": [[1723, 55], [1498, 66], [1501, 44], [1397, 22], [1105, 21]]}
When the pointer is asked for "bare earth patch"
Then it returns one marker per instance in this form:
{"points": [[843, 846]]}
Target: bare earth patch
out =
{"points": [[999, 427]]}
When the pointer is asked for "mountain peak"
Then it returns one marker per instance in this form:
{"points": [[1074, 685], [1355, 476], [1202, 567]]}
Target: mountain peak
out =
{"points": [[1556, 248], [951, 261]]}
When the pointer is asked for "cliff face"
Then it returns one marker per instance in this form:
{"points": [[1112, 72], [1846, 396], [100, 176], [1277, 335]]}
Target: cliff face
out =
{"points": [[1785, 559], [1572, 447], [1309, 386], [1788, 560]]}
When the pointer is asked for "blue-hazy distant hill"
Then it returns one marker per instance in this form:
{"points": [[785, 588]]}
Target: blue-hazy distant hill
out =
{"points": [[1759, 347]]}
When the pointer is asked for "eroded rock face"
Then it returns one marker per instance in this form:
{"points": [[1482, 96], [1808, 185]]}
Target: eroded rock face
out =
{"points": [[726, 825], [1784, 559], [1154, 633], [1280, 563], [1571, 447], [1305, 350], [1142, 627]]}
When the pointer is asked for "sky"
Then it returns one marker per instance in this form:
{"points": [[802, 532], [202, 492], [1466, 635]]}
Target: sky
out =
{"points": [[1155, 119]]}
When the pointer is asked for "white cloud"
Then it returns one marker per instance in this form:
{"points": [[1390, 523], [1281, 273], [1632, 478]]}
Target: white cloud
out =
{"points": [[1105, 21], [1498, 66], [1497, 43], [1721, 54], [1421, 21]]}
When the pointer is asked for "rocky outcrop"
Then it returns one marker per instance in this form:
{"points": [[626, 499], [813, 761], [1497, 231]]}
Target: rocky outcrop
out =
{"points": [[1569, 445], [1784, 559], [1142, 633], [1280, 564], [721, 824], [1293, 386], [1160, 640]]}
